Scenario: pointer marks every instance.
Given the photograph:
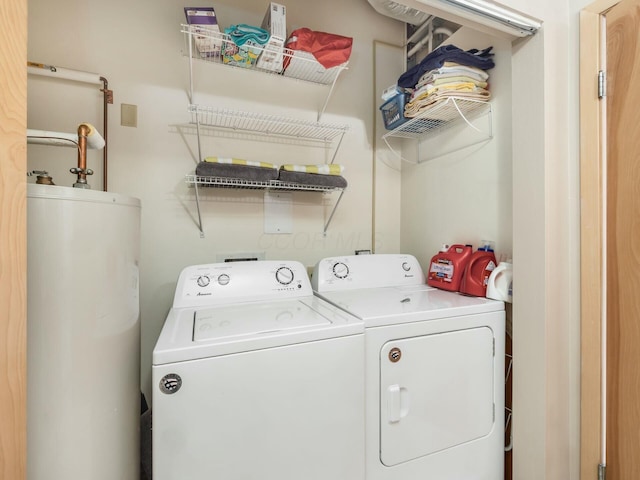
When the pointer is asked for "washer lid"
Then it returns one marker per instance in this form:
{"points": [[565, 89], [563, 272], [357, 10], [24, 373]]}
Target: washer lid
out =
{"points": [[233, 322], [391, 305], [193, 333]]}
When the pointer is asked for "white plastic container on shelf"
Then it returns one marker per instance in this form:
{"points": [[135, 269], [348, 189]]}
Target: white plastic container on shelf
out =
{"points": [[500, 284]]}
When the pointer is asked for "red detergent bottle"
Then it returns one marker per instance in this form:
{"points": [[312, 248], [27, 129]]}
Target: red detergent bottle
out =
{"points": [[476, 277], [447, 267]]}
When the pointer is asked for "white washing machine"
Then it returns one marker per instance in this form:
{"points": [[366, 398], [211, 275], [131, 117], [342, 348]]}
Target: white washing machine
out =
{"points": [[255, 378], [434, 370]]}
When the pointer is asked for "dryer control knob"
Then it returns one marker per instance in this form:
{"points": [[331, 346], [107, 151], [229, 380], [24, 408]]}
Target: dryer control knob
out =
{"points": [[406, 267], [223, 279], [340, 270], [284, 275], [203, 280]]}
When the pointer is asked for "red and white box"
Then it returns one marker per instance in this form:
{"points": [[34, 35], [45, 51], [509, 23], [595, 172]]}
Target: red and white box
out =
{"points": [[274, 22]]}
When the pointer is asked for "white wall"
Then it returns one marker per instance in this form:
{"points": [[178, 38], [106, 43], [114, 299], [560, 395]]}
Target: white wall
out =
{"points": [[137, 47], [546, 247], [389, 65]]}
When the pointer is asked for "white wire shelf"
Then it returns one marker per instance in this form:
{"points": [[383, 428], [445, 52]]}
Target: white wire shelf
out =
{"points": [[223, 182], [451, 112], [270, 125], [198, 181], [301, 65], [472, 115]]}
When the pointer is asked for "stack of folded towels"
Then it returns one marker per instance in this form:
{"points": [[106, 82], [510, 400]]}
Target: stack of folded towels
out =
{"points": [[447, 72], [224, 167], [315, 175], [322, 175]]}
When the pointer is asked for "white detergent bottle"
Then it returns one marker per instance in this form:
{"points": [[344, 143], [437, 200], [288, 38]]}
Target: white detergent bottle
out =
{"points": [[500, 284]]}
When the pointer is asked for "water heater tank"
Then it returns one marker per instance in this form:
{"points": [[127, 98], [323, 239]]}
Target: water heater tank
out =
{"points": [[83, 335]]}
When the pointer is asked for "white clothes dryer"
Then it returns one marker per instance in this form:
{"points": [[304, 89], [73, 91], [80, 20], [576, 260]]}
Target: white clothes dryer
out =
{"points": [[255, 378], [434, 370]]}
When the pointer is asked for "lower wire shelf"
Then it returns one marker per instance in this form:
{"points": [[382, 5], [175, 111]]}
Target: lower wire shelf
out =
{"points": [[225, 182], [197, 181], [444, 115]]}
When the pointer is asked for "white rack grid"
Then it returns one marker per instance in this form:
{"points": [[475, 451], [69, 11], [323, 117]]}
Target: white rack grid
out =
{"points": [[442, 116], [223, 182], [452, 111], [272, 125], [302, 66], [236, 183]]}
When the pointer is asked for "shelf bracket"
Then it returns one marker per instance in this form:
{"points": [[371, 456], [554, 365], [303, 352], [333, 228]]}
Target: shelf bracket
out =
{"points": [[328, 97], [326, 226], [198, 209], [335, 151], [450, 113], [393, 150], [190, 69]]}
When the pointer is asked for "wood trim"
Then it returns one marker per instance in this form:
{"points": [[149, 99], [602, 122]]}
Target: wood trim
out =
{"points": [[13, 239], [600, 6], [591, 245]]}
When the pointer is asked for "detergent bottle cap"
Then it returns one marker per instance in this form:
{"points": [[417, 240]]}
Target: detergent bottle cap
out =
{"points": [[445, 247], [486, 246]]}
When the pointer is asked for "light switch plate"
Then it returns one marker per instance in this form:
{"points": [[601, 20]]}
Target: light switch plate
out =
{"points": [[128, 115]]}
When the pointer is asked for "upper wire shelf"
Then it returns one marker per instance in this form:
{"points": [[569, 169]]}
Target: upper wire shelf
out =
{"points": [[265, 124], [453, 111], [301, 65]]}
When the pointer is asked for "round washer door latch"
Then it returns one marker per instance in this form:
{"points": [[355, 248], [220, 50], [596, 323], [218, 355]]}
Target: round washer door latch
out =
{"points": [[170, 383], [395, 354]]}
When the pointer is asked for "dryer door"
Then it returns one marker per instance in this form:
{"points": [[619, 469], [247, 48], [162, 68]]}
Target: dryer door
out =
{"points": [[437, 391]]}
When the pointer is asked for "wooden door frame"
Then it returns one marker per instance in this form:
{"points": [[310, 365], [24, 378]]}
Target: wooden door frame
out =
{"points": [[590, 238], [13, 239]]}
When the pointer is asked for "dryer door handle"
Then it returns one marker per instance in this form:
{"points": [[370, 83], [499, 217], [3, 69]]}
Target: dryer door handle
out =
{"points": [[397, 403]]}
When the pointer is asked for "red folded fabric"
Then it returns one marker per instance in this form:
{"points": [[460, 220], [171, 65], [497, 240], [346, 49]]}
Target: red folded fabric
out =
{"points": [[328, 49]]}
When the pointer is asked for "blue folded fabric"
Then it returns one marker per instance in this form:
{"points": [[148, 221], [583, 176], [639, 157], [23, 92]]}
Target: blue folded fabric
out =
{"points": [[241, 34], [447, 53]]}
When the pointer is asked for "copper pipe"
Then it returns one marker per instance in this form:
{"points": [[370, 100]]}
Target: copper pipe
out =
{"points": [[83, 131], [108, 98]]}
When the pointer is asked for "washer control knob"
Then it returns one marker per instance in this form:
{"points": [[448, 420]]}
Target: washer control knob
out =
{"points": [[203, 280], [284, 275], [406, 267], [223, 279], [340, 270]]}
